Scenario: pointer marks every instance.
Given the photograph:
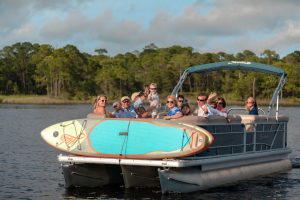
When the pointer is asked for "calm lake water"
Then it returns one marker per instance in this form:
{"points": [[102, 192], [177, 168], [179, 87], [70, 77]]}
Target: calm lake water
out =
{"points": [[29, 168]]}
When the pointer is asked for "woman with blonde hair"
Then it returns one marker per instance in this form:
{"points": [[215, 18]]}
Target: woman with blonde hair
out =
{"points": [[174, 111], [99, 105]]}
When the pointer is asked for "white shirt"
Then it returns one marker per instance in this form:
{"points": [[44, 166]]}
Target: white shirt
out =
{"points": [[199, 111], [154, 103], [211, 111]]}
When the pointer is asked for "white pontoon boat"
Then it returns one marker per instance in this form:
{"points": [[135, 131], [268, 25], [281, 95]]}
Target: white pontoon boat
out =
{"points": [[238, 153]]}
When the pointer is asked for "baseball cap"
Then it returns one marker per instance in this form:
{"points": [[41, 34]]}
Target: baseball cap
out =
{"points": [[125, 98]]}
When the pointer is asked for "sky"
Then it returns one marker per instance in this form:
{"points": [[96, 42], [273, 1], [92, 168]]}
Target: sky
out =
{"points": [[121, 26]]}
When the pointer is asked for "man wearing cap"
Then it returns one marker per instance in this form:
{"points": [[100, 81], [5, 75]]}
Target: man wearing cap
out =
{"points": [[128, 109]]}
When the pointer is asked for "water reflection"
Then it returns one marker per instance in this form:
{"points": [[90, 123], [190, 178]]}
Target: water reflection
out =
{"points": [[115, 192], [279, 186]]}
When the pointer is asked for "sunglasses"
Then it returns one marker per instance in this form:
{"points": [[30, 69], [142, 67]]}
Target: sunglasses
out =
{"points": [[180, 100], [103, 100], [200, 99], [125, 101], [170, 101]]}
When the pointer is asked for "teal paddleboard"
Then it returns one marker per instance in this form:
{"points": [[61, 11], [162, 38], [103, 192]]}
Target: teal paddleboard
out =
{"points": [[127, 138]]}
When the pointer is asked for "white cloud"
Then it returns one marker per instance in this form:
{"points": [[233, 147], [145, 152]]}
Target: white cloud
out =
{"points": [[229, 26], [25, 30]]}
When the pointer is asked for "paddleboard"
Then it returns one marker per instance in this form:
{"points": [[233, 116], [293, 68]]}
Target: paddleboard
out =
{"points": [[127, 138]]}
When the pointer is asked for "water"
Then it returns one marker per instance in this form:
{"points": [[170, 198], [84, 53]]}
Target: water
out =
{"points": [[29, 168]]}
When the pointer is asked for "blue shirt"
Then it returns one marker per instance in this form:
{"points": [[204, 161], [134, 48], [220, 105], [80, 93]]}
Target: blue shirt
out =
{"points": [[130, 112], [173, 111], [253, 111], [127, 113]]}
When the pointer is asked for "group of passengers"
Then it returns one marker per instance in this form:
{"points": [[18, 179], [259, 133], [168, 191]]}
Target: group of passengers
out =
{"points": [[177, 107], [131, 108]]}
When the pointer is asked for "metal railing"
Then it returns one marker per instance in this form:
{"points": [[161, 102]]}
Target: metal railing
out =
{"points": [[238, 109], [260, 137]]}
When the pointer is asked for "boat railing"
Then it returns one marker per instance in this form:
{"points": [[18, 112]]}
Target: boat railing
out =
{"points": [[244, 109], [245, 138]]}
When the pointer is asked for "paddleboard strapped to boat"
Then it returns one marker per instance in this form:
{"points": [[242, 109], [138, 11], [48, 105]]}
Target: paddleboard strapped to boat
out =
{"points": [[127, 138]]}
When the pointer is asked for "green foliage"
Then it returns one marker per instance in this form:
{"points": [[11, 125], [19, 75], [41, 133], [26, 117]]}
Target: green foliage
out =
{"points": [[66, 72]]}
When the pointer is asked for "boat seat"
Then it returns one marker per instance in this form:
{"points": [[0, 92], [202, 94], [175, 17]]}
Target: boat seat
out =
{"points": [[197, 120], [249, 120], [95, 116], [246, 119]]}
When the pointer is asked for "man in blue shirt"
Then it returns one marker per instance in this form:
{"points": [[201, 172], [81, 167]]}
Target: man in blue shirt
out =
{"points": [[128, 109]]}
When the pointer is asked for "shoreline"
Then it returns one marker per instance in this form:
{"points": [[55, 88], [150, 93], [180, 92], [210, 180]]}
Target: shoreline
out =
{"points": [[45, 100], [39, 100]]}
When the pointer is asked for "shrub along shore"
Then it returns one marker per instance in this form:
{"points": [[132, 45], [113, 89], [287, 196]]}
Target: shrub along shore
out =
{"points": [[46, 100]]}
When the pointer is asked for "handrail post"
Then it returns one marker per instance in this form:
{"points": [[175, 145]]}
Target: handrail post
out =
{"points": [[254, 137], [245, 140], [277, 105]]}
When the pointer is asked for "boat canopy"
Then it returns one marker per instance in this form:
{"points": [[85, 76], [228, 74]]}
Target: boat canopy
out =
{"points": [[237, 65]]}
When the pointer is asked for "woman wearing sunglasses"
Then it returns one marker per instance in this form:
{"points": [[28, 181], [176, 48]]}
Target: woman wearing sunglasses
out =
{"points": [[221, 105], [100, 105], [174, 112]]}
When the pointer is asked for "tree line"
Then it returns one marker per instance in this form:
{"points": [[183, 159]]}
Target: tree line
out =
{"points": [[41, 69]]}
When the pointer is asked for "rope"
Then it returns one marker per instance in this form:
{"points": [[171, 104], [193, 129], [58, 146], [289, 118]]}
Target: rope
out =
{"points": [[65, 133], [188, 141], [183, 135], [125, 137], [83, 125]]}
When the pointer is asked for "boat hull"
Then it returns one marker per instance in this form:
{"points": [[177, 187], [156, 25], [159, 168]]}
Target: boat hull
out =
{"points": [[91, 175], [186, 180]]}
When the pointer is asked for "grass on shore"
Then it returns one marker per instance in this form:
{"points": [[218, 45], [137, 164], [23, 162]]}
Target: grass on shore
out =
{"points": [[36, 99]]}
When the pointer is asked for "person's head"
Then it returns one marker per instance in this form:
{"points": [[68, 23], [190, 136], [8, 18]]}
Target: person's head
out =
{"points": [[135, 96], [221, 103], [125, 101], [171, 101], [153, 87], [117, 106], [201, 99], [140, 111], [213, 104], [250, 103], [180, 100], [186, 110], [100, 101]]}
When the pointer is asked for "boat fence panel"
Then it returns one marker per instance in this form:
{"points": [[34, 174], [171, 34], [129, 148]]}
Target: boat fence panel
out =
{"points": [[245, 138]]}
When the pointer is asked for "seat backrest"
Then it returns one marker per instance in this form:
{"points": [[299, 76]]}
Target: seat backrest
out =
{"points": [[197, 120], [247, 119]]}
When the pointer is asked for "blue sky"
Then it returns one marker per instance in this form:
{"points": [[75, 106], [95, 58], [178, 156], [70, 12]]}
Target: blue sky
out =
{"points": [[127, 25]]}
